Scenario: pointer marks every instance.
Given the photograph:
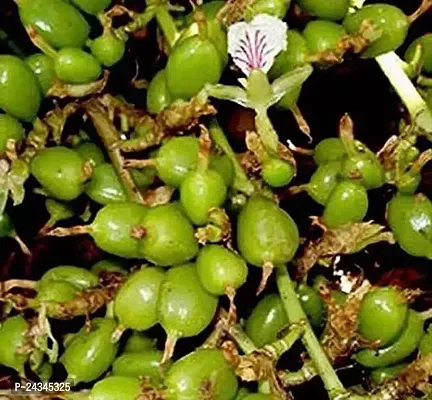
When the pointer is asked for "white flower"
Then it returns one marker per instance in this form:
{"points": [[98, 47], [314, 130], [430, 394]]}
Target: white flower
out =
{"points": [[255, 45]]}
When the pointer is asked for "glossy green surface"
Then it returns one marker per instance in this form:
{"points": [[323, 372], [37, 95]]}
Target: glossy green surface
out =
{"points": [[90, 353], [410, 219], [50, 290], [382, 315], [107, 49], [116, 388], [215, 33], [43, 67], [366, 169], [293, 56], [390, 19], [192, 63], [19, 89], [146, 364], [322, 35], [138, 342], [267, 319], [426, 42], [59, 170], [330, 149], [91, 151], [200, 192], [277, 173], [334, 10], [10, 129], [79, 277], [105, 186], [56, 21], [277, 8], [266, 233], [187, 377], [73, 65], [169, 236], [176, 158], [12, 338], [219, 268], [142, 290], [323, 181], [185, 309], [405, 344], [108, 266], [113, 226], [348, 202], [224, 167], [158, 96], [312, 305], [380, 375]]}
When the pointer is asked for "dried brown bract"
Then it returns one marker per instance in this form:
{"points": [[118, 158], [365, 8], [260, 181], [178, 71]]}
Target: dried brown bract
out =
{"points": [[348, 239], [340, 334]]}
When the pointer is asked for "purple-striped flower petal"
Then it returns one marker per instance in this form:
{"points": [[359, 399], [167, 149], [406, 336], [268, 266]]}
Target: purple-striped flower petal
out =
{"points": [[255, 45]]}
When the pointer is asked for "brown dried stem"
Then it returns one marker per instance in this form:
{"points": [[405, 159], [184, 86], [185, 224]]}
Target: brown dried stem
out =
{"points": [[174, 119], [354, 43], [6, 286], [85, 303], [424, 7], [110, 138]]}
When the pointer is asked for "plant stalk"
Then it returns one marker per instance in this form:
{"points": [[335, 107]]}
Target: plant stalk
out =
{"points": [[167, 25], [241, 181], [110, 139], [295, 315], [421, 115]]}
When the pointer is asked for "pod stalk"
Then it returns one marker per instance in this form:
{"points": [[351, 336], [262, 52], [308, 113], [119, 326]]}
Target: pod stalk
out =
{"points": [[420, 114], [167, 25], [170, 344], [295, 315], [73, 231]]}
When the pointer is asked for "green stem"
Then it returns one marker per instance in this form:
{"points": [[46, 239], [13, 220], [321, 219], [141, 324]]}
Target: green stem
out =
{"points": [[109, 313], [304, 374], [266, 131], [295, 315], [241, 181], [243, 341], [167, 25], [139, 22], [424, 81], [420, 114], [110, 139], [281, 346], [11, 44]]}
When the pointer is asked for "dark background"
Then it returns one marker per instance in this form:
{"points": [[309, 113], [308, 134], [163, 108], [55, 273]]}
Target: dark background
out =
{"points": [[356, 86]]}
